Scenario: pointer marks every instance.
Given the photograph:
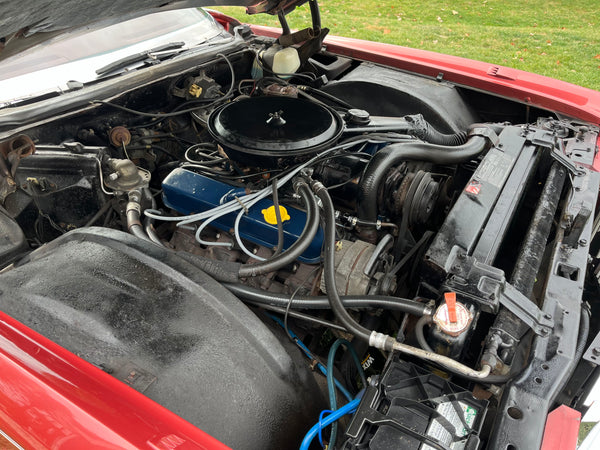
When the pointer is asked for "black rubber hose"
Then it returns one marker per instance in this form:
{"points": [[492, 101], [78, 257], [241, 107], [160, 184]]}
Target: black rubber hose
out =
{"points": [[303, 242], [430, 134], [134, 225], [582, 337], [420, 333], [298, 315], [335, 301], [392, 155], [584, 331], [279, 247], [224, 271], [320, 302]]}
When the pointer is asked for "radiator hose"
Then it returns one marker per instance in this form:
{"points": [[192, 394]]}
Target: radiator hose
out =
{"points": [[414, 125], [392, 155]]}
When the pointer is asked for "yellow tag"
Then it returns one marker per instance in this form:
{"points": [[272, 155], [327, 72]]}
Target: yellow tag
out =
{"points": [[195, 90], [269, 214]]}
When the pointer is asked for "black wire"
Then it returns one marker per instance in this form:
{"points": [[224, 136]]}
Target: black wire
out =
{"points": [[183, 111], [163, 136], [177, 108], [277, 75], [164, 150], [149, 147], [279, 248], [297, 315], [289, 305], [287, 312], [228, 177], [145, 114], [328, 96]]}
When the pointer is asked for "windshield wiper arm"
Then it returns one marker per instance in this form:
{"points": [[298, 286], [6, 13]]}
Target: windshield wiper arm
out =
{"points": [[148, 55]]}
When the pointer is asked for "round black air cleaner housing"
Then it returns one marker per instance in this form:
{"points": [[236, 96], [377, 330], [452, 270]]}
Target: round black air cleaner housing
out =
{"points": [[273, 132]]}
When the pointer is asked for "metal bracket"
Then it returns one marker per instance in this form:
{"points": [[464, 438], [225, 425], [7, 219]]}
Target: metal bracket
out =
{"points": [[487, 133], [564, 161], [487, 286], [592, 354], [546, 139], [540, 322], [572, 238]]}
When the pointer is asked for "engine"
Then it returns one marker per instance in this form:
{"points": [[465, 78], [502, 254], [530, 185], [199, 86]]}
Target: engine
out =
{"points": [[432, 239]]}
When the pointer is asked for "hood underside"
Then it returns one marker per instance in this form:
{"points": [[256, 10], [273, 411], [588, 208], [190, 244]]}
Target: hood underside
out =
{"points": [[27, 23]]}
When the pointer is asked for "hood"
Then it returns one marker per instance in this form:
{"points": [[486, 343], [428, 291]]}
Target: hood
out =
{"points": [[26, 23]]}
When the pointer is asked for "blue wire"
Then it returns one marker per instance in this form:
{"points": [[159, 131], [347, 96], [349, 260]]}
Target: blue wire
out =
{"points": [[310, 356], [325, 411], [331, 418]]}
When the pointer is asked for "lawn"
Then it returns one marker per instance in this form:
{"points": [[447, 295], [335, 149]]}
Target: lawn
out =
{"points": [[559, 39]]}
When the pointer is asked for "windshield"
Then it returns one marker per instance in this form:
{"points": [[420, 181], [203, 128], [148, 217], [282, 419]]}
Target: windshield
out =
{"points": [[47, 68]]}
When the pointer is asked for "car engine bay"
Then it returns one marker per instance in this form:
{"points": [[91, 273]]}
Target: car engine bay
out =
{"points": [[246, 249]]}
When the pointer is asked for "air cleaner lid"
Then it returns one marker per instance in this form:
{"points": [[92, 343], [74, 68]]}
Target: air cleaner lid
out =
{"points": [[275, 125]]}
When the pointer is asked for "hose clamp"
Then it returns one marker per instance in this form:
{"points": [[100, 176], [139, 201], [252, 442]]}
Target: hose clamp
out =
{"points": [[134, 206], [381, 341]]}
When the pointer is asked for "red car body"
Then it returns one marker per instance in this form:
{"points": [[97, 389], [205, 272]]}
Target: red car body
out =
{"points": [[51, 398]]}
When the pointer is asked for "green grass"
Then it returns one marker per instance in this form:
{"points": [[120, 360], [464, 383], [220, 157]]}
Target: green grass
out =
{"points": [[584, 430], [559, 39]]}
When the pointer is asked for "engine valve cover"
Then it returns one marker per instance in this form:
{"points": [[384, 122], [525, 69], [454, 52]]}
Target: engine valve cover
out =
{"points": [[188, 193]]}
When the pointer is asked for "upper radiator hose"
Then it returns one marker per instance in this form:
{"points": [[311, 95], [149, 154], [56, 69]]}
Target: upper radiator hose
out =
{"points": [[392, 155]]}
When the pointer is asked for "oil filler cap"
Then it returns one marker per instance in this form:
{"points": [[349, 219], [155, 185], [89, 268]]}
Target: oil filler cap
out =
{"points": [[271, 218], [452, 317]]}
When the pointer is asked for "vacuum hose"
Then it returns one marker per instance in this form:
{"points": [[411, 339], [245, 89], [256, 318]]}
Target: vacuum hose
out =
{"points": [[260, 296], [292, 253]]}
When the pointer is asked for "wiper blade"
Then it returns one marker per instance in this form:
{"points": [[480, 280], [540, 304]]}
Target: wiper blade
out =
{"points": [[148, 56]]}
